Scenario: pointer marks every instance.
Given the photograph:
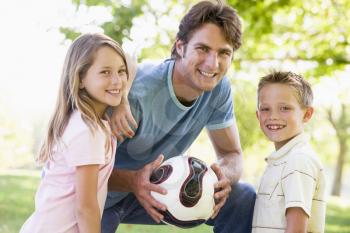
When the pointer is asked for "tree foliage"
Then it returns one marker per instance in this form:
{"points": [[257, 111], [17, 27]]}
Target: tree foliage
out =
{"points": [[314, 33]]}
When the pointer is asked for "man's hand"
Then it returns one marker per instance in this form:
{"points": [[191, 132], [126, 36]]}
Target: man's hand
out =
{"points": [[222, 189], [122, 120], [143, 187]]}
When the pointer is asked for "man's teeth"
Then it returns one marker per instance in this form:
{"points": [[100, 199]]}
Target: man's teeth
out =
{"points": [[275, 127], [210, 75]]}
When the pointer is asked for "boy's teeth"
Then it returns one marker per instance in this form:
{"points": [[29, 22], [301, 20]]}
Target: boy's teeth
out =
{"points": [[274, 127]]}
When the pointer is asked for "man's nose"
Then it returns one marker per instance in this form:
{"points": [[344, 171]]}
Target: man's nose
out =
{"points": [[212, 61]]}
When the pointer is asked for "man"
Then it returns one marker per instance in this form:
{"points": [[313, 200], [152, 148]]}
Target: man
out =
{"points": [[172, 102]]}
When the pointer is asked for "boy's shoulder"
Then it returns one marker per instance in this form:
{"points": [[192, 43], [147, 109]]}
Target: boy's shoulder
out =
{"points": [[303, 157]]}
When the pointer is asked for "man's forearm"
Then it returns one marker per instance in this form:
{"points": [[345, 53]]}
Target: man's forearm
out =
{"points": [[232, 167], [121, 180]]}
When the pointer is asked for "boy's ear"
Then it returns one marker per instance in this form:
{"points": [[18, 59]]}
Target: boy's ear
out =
{"points": [[308, 114], [257, 114]]}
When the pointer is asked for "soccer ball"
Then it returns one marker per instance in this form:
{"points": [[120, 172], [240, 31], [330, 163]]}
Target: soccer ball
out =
{"points": [[190, 185]]}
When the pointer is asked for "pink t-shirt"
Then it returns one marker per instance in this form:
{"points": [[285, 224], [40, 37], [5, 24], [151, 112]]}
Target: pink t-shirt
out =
{"points": [[55, 200]]}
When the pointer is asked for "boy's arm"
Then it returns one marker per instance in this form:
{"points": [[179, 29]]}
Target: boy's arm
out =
{"points": [[122, 117], [297, 220], [87, 208]]}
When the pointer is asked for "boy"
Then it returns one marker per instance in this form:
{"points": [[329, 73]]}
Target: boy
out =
{"points": [[291, 196]]}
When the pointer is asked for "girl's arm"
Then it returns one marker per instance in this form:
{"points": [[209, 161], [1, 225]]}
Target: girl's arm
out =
{"points": [[297, 220], [87, 208], [122, 119]]}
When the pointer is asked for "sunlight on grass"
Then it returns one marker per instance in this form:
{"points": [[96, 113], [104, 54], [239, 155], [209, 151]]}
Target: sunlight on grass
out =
{"points": [[17, 203]]}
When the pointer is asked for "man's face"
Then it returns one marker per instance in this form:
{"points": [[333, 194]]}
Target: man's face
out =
{"points": [[204, 60]]}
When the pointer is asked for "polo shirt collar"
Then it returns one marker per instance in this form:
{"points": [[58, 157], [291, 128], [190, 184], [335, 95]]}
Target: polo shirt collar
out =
{"points": [[287, 147]]}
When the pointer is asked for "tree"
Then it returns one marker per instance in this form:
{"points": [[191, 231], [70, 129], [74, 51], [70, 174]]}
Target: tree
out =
{"points": [[337, 112]]}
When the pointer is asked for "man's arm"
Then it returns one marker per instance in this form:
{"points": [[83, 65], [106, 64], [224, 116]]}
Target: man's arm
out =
{"points": [[138, 182], [229, 166], [228, 151]]}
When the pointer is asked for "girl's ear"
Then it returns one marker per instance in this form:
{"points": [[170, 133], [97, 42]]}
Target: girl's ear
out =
{"points": [[81, 85], [308, 114]]}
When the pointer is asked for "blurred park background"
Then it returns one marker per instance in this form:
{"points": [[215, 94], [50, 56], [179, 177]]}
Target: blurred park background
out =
{"points": [[311, 38]]}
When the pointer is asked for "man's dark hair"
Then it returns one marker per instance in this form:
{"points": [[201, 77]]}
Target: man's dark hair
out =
{"points": [[224, 16]]}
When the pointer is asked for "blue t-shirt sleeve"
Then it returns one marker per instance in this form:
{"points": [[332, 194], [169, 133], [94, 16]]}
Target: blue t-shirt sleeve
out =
{"points": [[222, 115]]}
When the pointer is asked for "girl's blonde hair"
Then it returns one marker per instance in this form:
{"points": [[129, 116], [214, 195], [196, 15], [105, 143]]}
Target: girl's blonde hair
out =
{"points": [[79, 58]]}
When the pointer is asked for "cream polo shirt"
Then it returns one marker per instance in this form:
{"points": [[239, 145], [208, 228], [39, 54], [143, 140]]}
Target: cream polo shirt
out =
{"points": [[294, 177]]}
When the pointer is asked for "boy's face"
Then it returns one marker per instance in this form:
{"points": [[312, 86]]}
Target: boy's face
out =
{"points": [[280, 115]]}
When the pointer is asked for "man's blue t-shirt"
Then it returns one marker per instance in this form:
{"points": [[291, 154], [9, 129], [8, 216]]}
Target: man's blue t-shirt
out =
{"points": [[165, 125]]}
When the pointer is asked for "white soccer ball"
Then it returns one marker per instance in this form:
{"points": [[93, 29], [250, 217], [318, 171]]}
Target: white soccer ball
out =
{"points": [[190, 185]]}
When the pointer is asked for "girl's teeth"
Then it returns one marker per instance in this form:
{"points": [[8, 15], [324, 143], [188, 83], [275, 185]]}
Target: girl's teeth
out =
{"points": [[114, 91]]}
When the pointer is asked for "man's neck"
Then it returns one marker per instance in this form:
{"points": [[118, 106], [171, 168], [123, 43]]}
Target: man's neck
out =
{"points": [[183, 91]]}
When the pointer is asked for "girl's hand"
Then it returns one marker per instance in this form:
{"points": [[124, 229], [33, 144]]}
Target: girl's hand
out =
{"points": [[122, 120]]}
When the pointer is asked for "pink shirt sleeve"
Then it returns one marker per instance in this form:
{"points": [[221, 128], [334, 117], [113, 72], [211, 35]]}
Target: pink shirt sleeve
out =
{"points": [[86, 148]]}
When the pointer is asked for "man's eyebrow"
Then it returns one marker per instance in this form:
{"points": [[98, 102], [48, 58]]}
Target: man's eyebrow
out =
{"points": [[202, 44]]}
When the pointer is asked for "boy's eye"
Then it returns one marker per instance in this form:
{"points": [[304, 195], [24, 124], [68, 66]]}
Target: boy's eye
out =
{"points": [[284, 108], [263, 109]]}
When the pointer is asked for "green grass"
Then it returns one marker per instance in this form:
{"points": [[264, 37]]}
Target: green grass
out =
{"points": [[17, 203]]}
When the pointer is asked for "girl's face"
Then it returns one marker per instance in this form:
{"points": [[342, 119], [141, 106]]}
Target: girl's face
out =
{"points": [[280, 114], [105, 80]]}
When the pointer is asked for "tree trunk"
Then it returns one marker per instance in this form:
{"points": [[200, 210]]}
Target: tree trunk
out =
{"points": [[336, 189]]}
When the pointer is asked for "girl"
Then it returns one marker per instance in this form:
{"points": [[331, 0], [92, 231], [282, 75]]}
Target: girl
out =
{"points": [[79, 149]]}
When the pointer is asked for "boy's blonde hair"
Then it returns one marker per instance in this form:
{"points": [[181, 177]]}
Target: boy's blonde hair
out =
{"points": [[302, 88], [79, 58]]}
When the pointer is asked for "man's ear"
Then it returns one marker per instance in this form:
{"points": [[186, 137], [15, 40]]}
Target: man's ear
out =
{"points": [[308, 114], [180, 47]]}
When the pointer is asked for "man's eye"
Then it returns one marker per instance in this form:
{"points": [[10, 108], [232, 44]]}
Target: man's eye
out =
{"points": [[227, 53], [203, 49]]}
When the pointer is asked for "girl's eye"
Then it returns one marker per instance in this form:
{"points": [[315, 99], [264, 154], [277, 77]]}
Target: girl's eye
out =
{"points": [[106, 72], [264, 109], [122, 72]]}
